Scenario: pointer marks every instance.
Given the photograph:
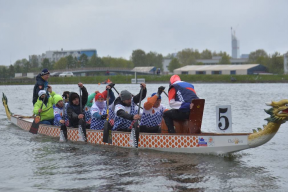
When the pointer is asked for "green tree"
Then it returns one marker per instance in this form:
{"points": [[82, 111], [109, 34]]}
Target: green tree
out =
{"points": [[154, 59], [11, 71], [276, 63], [170, 56], [46, 64], [174, 64], [34, 61], [188, 56], [206, 54], [139, 58], [225, 59], [83, 60], [18, 69], [61, 64], [26, 66], [95, 61], [18, 63], [254, 56], [260, 57], [70, 62], [116, 62], [4, 73], [76, 63]]}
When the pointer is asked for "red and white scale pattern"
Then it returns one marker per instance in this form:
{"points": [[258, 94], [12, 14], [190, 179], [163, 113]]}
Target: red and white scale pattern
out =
{"points": [[120, 139]]}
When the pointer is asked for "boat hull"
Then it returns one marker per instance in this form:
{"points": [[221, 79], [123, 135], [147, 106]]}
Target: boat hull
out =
{"points": [[182, 143]]}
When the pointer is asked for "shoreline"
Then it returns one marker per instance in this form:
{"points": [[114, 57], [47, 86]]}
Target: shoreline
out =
{"points": [[154, 79]]}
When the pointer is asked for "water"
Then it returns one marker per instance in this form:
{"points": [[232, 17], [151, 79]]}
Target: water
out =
{"points": [[39, 163]]}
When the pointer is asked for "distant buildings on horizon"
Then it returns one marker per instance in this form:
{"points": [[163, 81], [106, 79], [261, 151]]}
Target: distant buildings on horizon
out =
{"points": [[57, 55], [235, 45]]}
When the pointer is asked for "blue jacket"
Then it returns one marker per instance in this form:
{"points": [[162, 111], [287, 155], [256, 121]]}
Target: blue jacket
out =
{"points": [[185, 93], [40, 84]]}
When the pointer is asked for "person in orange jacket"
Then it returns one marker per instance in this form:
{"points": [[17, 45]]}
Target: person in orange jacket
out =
{"points": [[152, 113]]}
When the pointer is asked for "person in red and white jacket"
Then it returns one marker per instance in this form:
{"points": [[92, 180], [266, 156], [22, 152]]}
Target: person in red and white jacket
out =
{"points": [[180, 96]]}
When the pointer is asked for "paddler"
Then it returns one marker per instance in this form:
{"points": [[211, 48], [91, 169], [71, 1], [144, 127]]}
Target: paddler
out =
{"points": [[73, 108], [41, 84], [126, 109], [152, 113], [58, 110], [99, 108], [45, 110], [180, 96]]}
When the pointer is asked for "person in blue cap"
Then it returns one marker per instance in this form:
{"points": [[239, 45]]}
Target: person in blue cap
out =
{"points": [[41, 84], [152, 113]]}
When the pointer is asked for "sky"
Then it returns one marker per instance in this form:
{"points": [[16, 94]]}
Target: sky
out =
{"points": [[117, 27]]}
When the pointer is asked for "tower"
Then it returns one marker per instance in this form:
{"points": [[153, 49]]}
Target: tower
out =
{"points": [[235, 45]]}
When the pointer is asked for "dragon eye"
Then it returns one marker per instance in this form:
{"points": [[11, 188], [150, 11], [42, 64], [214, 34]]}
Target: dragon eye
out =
{"points": [[286, 105]]}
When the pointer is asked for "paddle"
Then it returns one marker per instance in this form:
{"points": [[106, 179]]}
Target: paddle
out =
{"points": [[165, 93], [135, 129], [107, 131], [81, 123], [63, 130], [35, 125]]}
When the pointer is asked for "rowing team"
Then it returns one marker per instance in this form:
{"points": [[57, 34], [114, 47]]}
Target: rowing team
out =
{"points": [[121, 112]]}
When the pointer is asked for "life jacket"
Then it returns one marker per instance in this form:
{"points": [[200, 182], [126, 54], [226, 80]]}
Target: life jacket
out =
{"points": [[185, 93], [97, 124], [120, 122], [152, 117]]}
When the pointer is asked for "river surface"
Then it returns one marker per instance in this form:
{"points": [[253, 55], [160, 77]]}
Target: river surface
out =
{"points": [[40, 163]]}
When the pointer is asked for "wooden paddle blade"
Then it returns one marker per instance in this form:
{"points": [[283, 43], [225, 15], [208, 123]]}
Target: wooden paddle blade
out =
{"points": [[137, 130], [107, 133], [82, 130], [35, 125], [63, 133]]}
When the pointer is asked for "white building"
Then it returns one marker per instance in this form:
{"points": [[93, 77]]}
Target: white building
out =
{"points": [[56, 55], [166, 63], [221, 69]]}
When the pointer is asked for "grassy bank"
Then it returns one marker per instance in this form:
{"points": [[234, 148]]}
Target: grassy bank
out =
{"points": [[123, 79]]}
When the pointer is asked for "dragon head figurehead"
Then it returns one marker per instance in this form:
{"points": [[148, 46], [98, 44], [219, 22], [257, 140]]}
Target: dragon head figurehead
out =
{"points": [[5, 104], [279, 111]]}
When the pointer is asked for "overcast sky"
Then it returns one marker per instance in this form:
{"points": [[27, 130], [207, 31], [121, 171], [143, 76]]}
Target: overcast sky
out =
{"points": [[117, 27]]}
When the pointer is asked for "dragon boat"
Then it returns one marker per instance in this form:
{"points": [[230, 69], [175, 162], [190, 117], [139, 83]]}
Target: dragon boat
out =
{"points": [[187, 139]]}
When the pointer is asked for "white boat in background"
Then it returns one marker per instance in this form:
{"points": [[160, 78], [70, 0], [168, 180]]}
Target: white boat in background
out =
{"points": [[187, 139]]}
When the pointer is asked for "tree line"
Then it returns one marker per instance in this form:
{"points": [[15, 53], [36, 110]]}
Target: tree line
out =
{"points": [[139, 58], [273, 62]]}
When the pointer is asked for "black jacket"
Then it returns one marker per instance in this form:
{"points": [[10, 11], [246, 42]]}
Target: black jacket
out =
{"points": [[136, 99], [39, 85], [74, 110]]}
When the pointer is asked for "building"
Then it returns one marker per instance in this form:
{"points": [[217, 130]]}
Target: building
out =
{"points": [[57, 55], [247, 69], [286, 63], [244, 56], [235, 45], [215, 61], [166, 63], [144, 70]]}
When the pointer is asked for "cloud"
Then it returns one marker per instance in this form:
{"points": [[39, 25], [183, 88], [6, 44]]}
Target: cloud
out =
{"points": [[117, 27]]}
